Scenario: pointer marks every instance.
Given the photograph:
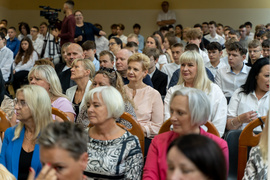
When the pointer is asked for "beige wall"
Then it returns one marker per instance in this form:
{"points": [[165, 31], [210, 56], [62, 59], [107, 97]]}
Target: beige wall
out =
{"points": [[107, 12]]}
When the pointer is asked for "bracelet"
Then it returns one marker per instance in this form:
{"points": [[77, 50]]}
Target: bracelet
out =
{"points": [[233, 123], [239, 120]]}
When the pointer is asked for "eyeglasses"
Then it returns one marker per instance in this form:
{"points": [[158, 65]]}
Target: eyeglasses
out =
{"points": [[111, 44], [20, 103], [255, 51]]}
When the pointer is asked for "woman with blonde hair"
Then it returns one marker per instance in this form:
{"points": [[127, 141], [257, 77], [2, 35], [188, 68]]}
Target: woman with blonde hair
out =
{"points": [[108, 77], [193, 74], [20, 150], [82, 70], [46, 77], [5, 174], [147, 100], [257, 164]]}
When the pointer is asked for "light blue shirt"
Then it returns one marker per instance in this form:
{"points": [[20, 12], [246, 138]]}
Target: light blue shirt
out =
{"points": [[141, 42], [96, 63], [6, 60]]}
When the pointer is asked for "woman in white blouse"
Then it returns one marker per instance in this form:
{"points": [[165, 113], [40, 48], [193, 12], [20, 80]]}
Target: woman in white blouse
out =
{"points": [[24, 61], [193, 74], [251, 100]]}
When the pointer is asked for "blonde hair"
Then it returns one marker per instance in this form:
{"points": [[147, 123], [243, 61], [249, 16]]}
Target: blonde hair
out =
{"points": [[39, 103], [5, 174], [201, 81], [142, 58], [87, 64], [263, 144], [48, 73]]}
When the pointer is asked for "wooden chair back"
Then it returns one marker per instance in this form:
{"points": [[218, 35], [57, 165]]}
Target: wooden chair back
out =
{"points": [[135, 130], [247, 139], [167, 124], [4, 123], [59, 113]]}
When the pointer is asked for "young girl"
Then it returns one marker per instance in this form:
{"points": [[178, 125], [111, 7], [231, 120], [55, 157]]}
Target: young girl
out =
{"points": [[24, 61]]}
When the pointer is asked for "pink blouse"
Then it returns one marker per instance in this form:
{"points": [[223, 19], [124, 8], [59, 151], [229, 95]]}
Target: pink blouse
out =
{"points": [[148, 109]]}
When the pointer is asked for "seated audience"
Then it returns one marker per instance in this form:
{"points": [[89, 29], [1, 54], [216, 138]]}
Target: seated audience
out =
{"points": [[177, 50], [214, 52], [112, 151], [193, 74], [148, 102], [153, 42], [194, 36], [122, 66], [106, 59], [63, 152], [176, 74], [23, 62], [230, 78], [6, 57], [74, 51], [169, 40], [254, 51], [20, 150], [244, 39], [257, 165], [102, 43], [89, 50], [82, 70], [251, 100], [37, 42], [115, 45], [136, 30], [108, 77], [213, 35], [13, 43], [64, 64], [120, 35], [133, 47], [187, 115], [24, 31], [46, 77], [266, 48], [158, 78], [192, 153]]}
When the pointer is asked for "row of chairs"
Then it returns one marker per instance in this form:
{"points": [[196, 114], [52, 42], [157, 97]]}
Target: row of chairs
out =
{"points": [[239, 142]]}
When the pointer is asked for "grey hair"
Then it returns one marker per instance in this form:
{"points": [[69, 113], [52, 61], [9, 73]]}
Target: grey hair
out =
{"points": [[198, 103], [111, 98], [65, 135]]}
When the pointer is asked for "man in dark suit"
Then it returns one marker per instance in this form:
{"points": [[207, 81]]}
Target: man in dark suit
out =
{"points": [[74, 51], [158, 78]]}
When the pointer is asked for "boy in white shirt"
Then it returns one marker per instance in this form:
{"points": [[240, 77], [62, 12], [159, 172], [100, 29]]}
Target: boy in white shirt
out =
{"points": [[214, 50]]}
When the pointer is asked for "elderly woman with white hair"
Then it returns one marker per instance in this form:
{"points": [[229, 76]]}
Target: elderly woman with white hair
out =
{"points": [[193, 74], [46, 77], [82, 70], [112, 151], [190, 108]]}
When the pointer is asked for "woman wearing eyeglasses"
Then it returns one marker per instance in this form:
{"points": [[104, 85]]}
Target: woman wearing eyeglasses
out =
{"points": [[84, 30], [19, 150], [82, 70]]}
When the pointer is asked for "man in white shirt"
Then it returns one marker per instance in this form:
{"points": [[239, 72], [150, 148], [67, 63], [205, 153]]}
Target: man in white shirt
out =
{"points": [[102, 43], [6, 57], [214, 50], [169, 69], [194, 36], [244, 39], [37, 42], [213, 36], [230, 78], [254, 51], [248, 28], [166, 17]]}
